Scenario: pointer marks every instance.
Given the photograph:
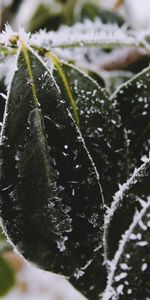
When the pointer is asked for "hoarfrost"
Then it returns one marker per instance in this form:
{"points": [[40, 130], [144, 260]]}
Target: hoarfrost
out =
{"points": [[61, 244], [120, 276], [78, 274], [137, 174], [144, 267], [125, 239], [82, 34], [8, 33]]}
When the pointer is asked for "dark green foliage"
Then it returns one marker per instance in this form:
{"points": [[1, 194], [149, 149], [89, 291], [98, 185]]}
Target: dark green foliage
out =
{"points": [[45, 18], [67, 147], [93, 281], [100, 126], [134, 107], [126, 202], [91, 11], [130, 280], [47, 178]]}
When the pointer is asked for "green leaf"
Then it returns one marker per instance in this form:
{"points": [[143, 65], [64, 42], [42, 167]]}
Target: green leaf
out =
{"points": [[126, 201], [7, 277], [47, 177], [45, 17], [115, 79], [132, 100], [91, 11], [134, 106], [99, 124], [130, 269]]}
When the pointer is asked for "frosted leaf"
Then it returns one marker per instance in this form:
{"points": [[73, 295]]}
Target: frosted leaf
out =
{"points": [[82, 34], [126, 200], [133, 103], [135, 279], [99, 125], [39, 173]]}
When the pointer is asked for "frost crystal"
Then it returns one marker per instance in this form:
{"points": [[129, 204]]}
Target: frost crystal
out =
{"points": [[6, 35], [82, 34], [114, 263], [137, 174]]}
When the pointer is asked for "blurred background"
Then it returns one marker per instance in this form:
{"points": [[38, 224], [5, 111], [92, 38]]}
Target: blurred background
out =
{"points": [[20, 280]]}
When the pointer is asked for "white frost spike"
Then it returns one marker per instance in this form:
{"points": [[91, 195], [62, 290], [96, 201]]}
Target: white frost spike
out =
{"points": [[3, 95], [119, 196], [84, 33], [121, 276], [8, 33], [114, 263], [144, 267], [61, 244], [142, 202], [120, 289], [144, 158], [78, 274]]}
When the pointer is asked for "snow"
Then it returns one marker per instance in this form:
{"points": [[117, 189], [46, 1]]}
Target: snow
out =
{"points": [[35, 284]]}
